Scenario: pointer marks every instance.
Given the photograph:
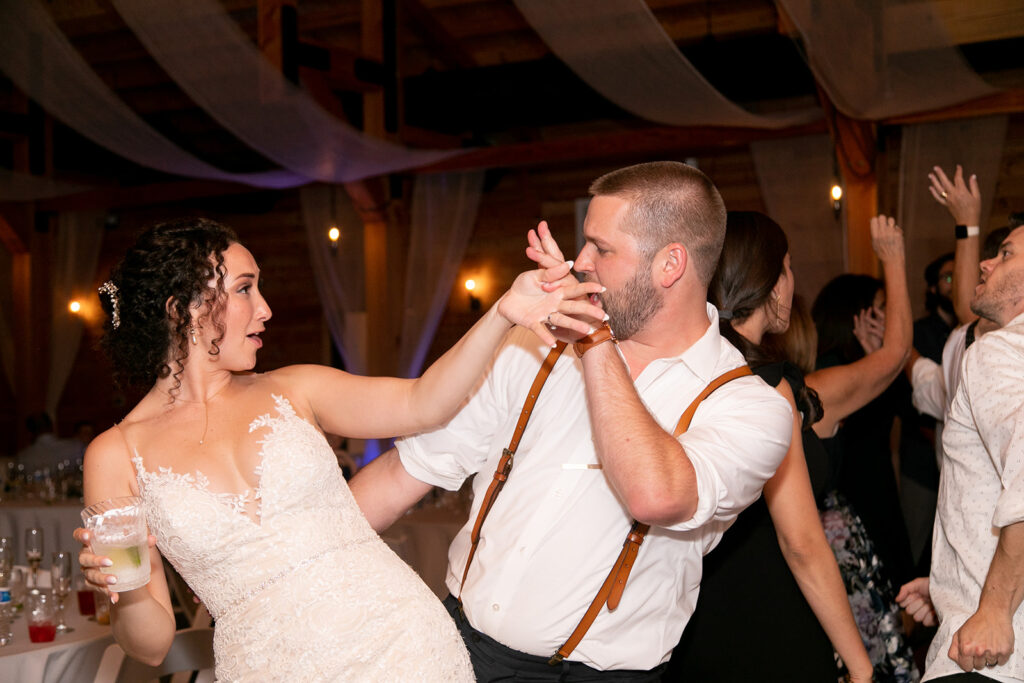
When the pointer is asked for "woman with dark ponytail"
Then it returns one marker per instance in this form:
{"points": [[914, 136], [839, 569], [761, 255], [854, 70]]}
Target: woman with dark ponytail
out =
{"points": [[772, 584]]}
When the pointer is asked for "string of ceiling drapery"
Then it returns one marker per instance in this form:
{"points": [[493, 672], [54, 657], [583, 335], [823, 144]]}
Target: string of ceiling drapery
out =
{"points": [[210, 58], [619, 48], [882, 58], [39, 59]]}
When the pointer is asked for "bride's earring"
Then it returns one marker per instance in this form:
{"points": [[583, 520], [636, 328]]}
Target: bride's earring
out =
{"points": [[192, 331]]}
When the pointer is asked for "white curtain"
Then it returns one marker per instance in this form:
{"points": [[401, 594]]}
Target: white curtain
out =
{"points": [[444, 211], [205, 51], [338, 269], [37, 56], [795, 176], [78, 240], [619, 48], [882, 58], [977, 145]]}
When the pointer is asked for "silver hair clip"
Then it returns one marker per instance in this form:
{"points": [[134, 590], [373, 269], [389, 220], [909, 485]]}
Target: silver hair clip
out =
{"points": [[110, 289]]}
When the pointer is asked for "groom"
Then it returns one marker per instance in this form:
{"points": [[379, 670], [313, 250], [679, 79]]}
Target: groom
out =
{"points": [[598, 450]]}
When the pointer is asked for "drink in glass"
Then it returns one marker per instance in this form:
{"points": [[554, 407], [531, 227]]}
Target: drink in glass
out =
{"points": [[118, 528], [86, 597], [39, 614]]}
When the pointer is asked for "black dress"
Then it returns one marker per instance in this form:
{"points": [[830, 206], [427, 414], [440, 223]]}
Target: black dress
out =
{"points": [[752, 623]]}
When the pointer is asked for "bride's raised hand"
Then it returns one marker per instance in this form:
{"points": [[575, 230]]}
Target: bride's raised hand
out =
{"points": [[549, 298]]}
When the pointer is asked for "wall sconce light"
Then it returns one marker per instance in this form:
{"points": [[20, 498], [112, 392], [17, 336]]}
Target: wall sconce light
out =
{"points": [[334, 234], [75, 306], [837, 196], [474, 302]]}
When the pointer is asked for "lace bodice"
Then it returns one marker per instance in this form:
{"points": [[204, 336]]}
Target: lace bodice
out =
{"points": [[303, 589]]}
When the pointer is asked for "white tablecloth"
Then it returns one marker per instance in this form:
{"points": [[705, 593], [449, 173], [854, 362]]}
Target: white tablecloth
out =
{"points": [[58, 522], [71, 658]]}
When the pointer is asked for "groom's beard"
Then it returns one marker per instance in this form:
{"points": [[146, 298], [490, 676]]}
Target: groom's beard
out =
{"points": [[632, 305]]}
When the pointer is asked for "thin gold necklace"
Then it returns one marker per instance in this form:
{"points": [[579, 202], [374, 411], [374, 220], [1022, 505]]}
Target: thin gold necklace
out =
{"points": [[205, 404]]}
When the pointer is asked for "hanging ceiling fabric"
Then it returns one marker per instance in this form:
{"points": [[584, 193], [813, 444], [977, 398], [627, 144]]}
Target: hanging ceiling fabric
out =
{"points": [[619, 48], [882, 58], [216, 64], [38, 58]]}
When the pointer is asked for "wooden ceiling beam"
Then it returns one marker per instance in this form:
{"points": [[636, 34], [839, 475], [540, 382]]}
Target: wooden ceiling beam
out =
{"points": [[445, 47], [1007, 102], [144, 195], [619, 144]]}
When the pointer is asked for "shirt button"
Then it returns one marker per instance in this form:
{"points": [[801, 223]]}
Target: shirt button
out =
{"points": [[495, 607]]}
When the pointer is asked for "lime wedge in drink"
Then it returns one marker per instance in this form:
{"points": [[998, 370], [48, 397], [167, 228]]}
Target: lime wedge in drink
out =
{"points": [[128, 557]]}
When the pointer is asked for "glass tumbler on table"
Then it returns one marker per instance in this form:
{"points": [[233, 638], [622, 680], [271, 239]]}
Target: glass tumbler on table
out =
{"points": [[118, 528], [60, 582], [39, 615], [34, 554]]}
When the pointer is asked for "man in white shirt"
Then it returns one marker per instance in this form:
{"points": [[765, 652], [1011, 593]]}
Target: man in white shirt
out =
{"points": [[598, 450], [977, 573]]}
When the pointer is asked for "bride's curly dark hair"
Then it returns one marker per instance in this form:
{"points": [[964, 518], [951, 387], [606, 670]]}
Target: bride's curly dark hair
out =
{"points": [[166, 271]]}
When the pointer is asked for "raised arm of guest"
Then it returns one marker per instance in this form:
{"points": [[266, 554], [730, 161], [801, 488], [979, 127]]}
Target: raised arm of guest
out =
{"points": [[844, 389], [963, 200]]}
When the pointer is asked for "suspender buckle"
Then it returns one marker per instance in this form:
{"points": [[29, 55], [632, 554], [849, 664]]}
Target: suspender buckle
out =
{"points": [[556, 659]]}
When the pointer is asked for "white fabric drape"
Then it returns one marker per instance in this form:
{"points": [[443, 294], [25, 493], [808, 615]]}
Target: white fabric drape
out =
{"points": [[212, 60], [22, 187], [444, 211], [795, 176], [338, 269], [977, 145], [882, 58], [78, 241], [37, 56], [619, 48]]}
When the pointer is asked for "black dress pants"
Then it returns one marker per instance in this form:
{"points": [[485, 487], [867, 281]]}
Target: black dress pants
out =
{"points": [[493, 662]]}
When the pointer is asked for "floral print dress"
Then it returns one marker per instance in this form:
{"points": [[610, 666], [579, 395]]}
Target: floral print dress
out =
{"points": [[871, 594]]}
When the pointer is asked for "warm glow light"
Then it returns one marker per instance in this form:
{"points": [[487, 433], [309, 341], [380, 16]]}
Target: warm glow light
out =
{"points": [[74, 306], [333, 234], [471, 285], [837, 193]]}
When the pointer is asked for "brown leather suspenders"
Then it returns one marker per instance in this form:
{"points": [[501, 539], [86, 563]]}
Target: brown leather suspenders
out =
{"points": [[613, 586]]}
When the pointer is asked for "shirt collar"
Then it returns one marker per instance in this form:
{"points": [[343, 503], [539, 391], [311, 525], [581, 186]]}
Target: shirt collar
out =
{"points": [[702, 357]]}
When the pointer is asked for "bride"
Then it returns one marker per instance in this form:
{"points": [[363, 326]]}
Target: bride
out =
{"points": [[239, 485]]}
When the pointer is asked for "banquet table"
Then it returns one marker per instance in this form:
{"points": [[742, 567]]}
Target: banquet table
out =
{"points": [[57, 521], [70, 658]]}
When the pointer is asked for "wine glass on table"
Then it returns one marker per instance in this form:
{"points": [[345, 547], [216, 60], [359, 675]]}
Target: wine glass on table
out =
{"points": [[60, 583], [34, 554]]}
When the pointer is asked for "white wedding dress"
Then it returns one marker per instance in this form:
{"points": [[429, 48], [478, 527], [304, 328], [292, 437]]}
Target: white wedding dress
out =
{"points": [[310, 592]]}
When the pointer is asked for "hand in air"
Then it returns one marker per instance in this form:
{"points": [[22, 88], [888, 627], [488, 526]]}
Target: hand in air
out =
{"points": [[963, 199], [91, 564], [869, 329], [915, 597], [887, 239], [550, 299]]}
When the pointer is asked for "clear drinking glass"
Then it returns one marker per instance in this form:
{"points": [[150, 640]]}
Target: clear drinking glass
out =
{"points": [[6, 591], [33, 553], [60, 582], [118, 528], [39, 615]]}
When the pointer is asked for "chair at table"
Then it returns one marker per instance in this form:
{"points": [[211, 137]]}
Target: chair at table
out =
{"points": [[192, 650]]}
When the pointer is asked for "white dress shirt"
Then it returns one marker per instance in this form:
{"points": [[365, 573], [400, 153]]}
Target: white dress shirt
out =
{"points": [[557, 527], [981, 490]]}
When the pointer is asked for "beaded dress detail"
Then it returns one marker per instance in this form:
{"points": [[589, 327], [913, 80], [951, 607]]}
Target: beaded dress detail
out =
{"points": [[307, 591]]}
